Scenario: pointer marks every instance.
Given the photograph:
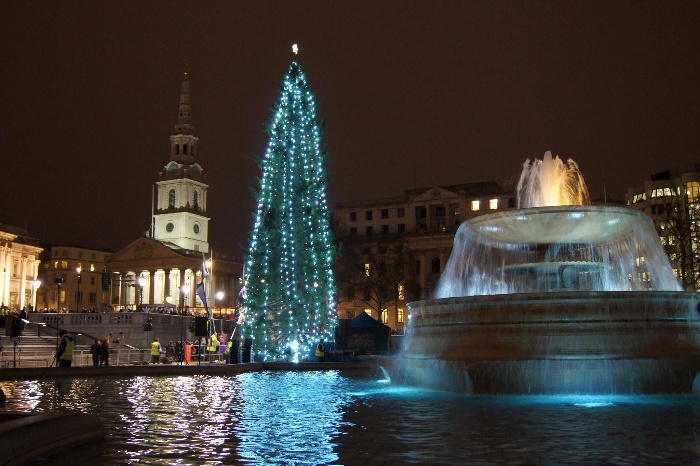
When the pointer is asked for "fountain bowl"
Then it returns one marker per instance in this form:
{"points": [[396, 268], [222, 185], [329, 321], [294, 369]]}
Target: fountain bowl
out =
{"points": [[587, 342]]}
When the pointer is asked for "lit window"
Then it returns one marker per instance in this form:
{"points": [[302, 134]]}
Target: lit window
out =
{"points": [[493, 204], [402, 293], [399, 315], [368, 311], [385, 316], [475, 205], [367, 270]]}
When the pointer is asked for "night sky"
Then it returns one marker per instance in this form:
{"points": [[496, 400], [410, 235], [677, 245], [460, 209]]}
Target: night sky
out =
{"points": [[415, 94]]}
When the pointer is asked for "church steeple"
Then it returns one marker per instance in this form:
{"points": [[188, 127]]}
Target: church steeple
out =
{"points": [[179, 216], [184, 124], [183, 143]]}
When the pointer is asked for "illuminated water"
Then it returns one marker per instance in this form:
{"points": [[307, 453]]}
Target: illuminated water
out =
{"points": [[336, 418]]}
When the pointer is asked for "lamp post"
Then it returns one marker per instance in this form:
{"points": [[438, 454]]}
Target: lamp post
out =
{"points": [[77, 295], [219, 297], [185, 295], [142, 283], [37, 284]]}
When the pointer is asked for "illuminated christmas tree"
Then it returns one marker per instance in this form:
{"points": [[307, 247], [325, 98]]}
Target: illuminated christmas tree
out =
{"points": [[289, 296]]}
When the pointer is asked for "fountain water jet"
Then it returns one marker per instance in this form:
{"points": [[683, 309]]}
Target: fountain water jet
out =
{"points": [[562, 298]]}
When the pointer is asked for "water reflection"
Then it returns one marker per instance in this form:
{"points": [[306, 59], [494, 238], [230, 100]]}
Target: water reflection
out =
{"points": [[335, 418]]}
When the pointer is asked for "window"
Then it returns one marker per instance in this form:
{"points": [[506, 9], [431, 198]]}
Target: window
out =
{"points": [[80, 254], [169, 227], [177, 149], [368, 215], [353, 216], [353, 231], [195, 200], [399, 315], [385, 316], [184, 149], [400, 212], [435, 266], [385, 213], [402, 228], [368, 311], [366, 270], [195, 228], [171, 199], [64, 264], [493, 204], [385, 229], [692, 191], [349, 315], [92, 280], [368, 231], [92, 298], [440, 211], [402, 292], [475, 206]]}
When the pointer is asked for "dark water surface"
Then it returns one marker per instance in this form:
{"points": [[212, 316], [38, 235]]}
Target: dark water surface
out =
{"points": [[338, 418]]}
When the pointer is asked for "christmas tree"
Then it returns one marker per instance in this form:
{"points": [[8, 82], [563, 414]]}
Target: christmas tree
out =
{"points": [[289, 295]]}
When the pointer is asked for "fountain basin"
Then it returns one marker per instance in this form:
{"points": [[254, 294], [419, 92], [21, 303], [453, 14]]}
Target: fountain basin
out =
{"points": [[553, 342]]}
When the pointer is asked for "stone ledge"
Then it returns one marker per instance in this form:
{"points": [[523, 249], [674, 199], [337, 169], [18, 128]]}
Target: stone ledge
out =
{"points": [[26, 436]]}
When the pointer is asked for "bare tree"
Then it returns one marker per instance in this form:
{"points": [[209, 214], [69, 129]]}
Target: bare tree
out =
{"points": [[372, 271]]}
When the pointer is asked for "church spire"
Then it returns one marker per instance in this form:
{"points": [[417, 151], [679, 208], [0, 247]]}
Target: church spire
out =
{"points": [[184, 125]]}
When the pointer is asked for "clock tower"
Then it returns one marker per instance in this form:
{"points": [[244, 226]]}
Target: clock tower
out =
{"points": [[179, 216]]}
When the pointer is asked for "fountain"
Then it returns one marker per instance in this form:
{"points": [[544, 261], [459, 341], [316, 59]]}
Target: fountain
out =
{"points": [[554, 297]]}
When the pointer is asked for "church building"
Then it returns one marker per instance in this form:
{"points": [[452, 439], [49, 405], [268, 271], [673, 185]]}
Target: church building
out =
{"points": [[160, 270]]}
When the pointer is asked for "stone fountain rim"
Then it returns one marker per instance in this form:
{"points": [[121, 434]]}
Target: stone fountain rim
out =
{"points": [[555, 225]]}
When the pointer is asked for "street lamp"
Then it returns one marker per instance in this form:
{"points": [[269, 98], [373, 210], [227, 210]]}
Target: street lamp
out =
{"points": [[37, 284], [185, 294], [219, 297], [77, 295], [142, 283]]}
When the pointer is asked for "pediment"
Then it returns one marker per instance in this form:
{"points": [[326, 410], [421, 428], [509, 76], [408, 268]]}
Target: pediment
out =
{"points": [[436, 194], [144, 249]]}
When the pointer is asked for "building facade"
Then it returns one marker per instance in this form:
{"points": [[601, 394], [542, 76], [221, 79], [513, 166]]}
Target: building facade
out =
{"points": [[413, 233], [19, 268], [672, 200], [72, 279]]}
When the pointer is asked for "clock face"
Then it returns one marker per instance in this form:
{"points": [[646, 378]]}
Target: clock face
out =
{"points": [[196, 228], [169, 227]]}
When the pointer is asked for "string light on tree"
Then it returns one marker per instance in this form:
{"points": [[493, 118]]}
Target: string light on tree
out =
{"points": [[289, 298]]}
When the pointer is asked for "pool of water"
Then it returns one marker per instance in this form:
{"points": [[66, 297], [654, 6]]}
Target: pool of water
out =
{"points": [[339, 418]]}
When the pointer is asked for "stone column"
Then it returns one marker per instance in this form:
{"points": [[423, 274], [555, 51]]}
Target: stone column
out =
{"points": [[423, 275], [166, 286], [22, 281]]}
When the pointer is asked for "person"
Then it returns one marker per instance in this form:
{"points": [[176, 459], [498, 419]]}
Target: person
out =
{"points": [[179, 351], [155, 351], [170, 352], [95, 350], [104, 353], [187, 353], [64, 355], [213, 346], [227, 351], [321, 351]]}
